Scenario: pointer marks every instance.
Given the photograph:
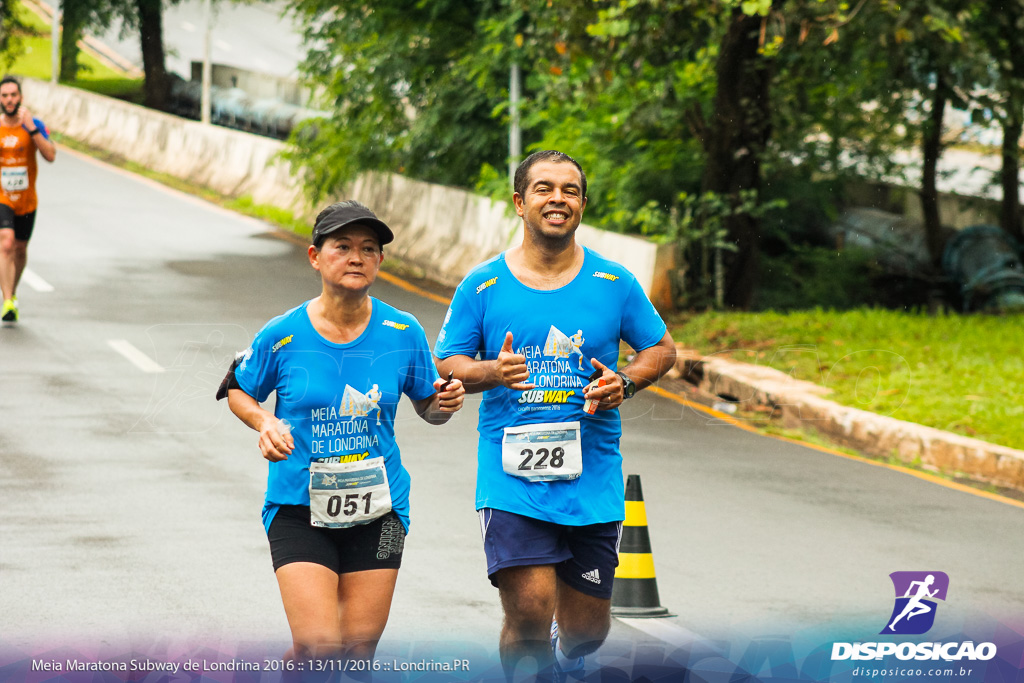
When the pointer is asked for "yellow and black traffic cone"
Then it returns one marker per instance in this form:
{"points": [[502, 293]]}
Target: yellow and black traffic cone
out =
{"points": [[635, 591]]}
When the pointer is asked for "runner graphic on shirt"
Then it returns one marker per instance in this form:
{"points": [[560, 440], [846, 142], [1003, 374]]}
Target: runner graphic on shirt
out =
{"points": [[560, 345], [373, 396], [357, 404]]}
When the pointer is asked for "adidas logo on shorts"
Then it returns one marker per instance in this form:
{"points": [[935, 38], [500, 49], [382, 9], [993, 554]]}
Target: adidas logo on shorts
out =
{"points": [[592, 576]]}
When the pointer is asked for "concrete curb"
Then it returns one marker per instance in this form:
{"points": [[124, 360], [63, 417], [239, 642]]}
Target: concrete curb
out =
{"points": [[801, 405]]}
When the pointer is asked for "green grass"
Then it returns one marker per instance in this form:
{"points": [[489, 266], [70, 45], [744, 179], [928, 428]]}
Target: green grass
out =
{"points": [[271, 214], [32, 22], [128, 89], [956, 373], [35, 61]]}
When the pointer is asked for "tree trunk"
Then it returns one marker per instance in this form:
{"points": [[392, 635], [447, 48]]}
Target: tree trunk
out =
{"points": [[1010, 216], [740, 129], [71, 33], [157, 86], [931, 149], [1011, 71]]}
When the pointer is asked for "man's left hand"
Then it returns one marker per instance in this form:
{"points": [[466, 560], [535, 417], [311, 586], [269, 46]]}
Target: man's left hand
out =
{"points": [[25, 117], [609, 396]]}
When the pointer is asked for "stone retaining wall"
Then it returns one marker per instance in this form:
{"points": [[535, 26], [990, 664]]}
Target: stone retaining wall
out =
{"points": [[442, 230]]}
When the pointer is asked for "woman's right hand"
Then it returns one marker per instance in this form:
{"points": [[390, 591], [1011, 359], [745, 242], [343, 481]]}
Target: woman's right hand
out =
{"points": [[276, 442]]}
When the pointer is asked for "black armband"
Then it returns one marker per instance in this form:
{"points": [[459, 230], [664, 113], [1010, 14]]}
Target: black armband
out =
{"points": [[230, 381]]}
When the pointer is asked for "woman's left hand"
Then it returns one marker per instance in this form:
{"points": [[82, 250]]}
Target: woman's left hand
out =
{"points": [[450, 397]]}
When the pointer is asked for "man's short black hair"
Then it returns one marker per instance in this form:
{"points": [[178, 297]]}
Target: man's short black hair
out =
{"points": [[11, 79], [523, 170]]}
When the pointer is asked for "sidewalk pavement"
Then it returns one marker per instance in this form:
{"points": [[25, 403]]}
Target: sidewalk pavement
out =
{"points": [[800, 405]]}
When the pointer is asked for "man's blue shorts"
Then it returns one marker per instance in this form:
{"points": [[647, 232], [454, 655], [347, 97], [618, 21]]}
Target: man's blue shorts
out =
{"points": [[585, 557]]}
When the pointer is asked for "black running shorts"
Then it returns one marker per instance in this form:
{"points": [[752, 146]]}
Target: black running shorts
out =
{"points": [[22, 225], [375, 545]]}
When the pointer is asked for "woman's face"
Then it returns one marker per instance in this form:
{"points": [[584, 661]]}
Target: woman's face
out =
{"points": [[348, 258]]}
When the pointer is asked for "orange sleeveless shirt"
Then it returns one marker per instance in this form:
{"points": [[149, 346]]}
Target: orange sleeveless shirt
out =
{"points": [[18, 169]]}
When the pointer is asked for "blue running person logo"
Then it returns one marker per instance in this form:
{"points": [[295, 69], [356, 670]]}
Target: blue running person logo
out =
{"points": [[916, 593]]}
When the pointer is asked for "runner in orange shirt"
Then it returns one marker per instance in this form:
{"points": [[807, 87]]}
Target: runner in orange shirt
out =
{"points": [[20, 136]]}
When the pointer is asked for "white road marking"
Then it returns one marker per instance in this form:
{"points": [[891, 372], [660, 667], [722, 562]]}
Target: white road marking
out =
{"points": [[661, 629], [35, 282], [136, 357]]}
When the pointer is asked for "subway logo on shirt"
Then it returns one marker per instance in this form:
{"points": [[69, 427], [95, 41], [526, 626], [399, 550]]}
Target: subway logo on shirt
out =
{"points": [[546, 396]]}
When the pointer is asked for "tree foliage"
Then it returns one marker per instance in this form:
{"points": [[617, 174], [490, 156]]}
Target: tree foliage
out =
{"points": [[406, 88], [10, 30], [696, 121]]}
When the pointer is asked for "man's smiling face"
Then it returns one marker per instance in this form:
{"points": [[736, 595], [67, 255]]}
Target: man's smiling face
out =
{"points": [[552, 204]]}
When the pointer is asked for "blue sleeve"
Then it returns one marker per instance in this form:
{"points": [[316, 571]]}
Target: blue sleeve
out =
{"points": [[257, 372], [42, 127], [462, 331], [421, 372], [642, 327]]}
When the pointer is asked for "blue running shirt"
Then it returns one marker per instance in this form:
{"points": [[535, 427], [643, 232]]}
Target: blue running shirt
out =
{"points": [[339, 398], [558, 331]]}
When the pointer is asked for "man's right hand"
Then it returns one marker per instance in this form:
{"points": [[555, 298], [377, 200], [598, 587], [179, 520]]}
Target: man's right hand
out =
{"points": [[25, 118], [511, 367]]}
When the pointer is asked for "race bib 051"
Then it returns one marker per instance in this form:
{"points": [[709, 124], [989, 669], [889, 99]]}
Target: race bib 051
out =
{"points": [[344, 494]]}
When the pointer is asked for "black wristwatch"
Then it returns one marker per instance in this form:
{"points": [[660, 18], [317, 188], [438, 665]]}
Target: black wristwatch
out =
{"points": [[628, 386], [33, 131]]}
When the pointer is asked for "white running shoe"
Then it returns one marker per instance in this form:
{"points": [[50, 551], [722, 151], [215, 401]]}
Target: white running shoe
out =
{"points": [[564, 669]]}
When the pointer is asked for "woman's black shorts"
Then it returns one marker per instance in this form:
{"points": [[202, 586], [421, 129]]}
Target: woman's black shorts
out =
{"points": [[375, 545]]}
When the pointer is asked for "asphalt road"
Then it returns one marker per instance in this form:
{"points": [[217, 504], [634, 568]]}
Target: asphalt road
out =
{"points": [[131, 499]]}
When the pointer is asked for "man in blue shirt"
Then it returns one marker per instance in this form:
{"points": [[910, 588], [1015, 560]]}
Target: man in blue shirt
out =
{"points": [[537, 329]]}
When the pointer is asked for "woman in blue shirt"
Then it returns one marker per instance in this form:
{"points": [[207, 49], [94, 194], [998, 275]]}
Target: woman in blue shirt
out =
{"points": [[337, 504]]}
